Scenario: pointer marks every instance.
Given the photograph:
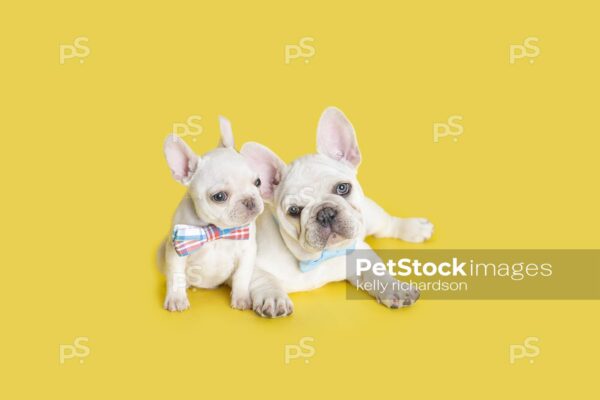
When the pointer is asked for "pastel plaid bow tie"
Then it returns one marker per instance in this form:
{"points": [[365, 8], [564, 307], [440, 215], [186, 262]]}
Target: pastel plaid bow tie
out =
{"points": [[188, 238]]}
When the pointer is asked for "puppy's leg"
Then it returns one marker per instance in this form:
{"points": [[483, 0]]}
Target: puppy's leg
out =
{"points": [[240, 282], [176, 298], [380, 224], [385, 288], [268, 297]]}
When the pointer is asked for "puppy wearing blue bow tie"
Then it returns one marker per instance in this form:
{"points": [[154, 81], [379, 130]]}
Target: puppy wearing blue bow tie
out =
{"points": [[317, 215], [212, 239]]}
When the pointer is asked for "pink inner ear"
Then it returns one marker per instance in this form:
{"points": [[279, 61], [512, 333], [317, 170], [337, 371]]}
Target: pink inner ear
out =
{"points": [[340, 144], [268, 175], [353, 155], [177, 163], [333, 141], [266, 164], [181, 159], [336, 139]]}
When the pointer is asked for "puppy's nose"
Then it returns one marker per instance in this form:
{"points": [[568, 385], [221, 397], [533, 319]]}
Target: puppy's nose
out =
{"points": [[326, 216], [249, 203]]}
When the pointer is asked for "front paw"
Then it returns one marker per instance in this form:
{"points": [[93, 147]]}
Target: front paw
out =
{"points": [[414, 230], [274, 305], [398, 295], [241, 302], [176, 302]]}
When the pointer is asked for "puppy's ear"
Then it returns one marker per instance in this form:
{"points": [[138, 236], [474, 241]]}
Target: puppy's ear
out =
{"points": [[336, 138], [226, 133], [269, 167], [182, 161]]}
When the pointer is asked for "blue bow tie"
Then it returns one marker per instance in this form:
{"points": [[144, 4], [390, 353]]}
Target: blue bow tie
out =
{"points": [[309, 265]]}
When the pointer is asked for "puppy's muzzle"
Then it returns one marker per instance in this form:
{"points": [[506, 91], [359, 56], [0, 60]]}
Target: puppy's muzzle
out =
{"points": [[249, 203], [326, 216]]}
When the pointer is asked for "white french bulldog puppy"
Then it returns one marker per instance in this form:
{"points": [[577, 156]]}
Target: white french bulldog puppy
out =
{"points": [[316, 213], [213, 235]]}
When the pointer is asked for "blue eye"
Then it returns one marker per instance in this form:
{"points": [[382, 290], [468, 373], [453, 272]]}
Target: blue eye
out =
{"points": [[219, 197], [343, 189]]}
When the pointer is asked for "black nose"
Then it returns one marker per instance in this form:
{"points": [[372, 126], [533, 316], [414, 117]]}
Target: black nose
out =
{"points": [[325, 216], [249, 203]]}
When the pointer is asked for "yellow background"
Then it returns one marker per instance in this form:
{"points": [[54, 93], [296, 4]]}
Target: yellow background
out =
{"points": [[87, 195]]}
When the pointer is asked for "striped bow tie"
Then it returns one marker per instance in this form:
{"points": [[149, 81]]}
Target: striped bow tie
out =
{"points": [[188, 238]]}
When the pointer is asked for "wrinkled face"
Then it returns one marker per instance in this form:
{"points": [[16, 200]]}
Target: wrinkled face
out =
{"points": [[225, 190], [223, 186], [318, 203], [317, 198]]}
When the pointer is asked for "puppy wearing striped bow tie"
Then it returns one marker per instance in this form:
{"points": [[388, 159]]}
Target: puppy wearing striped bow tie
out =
{"points": [[212, 239]]}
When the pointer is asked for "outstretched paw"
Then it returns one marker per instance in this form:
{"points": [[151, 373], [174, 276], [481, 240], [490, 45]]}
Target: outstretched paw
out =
{"points": [[273, 306], [398, 295], [414, 230]]}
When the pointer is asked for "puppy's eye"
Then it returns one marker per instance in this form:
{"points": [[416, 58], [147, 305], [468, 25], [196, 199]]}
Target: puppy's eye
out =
{"points": [[257, 182], [343, 189], [294, 211], [219, 197]]}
